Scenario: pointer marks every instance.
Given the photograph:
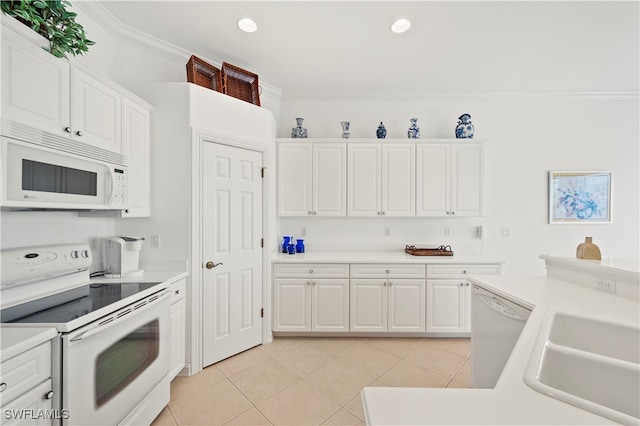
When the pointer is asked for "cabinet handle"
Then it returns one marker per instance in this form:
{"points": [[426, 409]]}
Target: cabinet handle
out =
{"points": [[48, 395], [79, 133], [3, 386], [67, 129]]}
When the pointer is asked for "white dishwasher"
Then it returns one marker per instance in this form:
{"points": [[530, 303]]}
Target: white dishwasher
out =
{"points": [[496, 324]]}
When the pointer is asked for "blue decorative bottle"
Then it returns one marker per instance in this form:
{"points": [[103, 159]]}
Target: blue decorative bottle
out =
{"points": [[299, 131], [414, 130], [299, 246], [381, 132], [285, 243], [464, 129]]}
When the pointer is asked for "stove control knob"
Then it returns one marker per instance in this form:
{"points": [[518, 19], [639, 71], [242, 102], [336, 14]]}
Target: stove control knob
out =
{"points": [[48, 395], [75, 254], [85, 253]]}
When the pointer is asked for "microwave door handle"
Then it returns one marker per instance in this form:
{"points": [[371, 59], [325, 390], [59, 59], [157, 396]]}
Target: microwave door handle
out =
{"points": [[111, 185]]}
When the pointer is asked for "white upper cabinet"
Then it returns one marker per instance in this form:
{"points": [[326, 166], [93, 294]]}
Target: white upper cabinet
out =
{"points": [[381, 179], [35, 88], [450, 180], [136, 144], [312, 179], [96, 113]]}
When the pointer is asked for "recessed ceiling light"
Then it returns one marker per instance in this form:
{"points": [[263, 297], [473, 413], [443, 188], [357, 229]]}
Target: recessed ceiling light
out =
{"points": [[247, 25], [401, 25]]}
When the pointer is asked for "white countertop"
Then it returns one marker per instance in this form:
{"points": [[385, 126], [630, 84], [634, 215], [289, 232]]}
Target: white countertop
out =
{"points": [[391, 256], [512, 401]]}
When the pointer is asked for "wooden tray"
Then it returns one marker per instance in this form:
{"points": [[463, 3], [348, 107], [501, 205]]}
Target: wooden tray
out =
{"points": [[240, 84], [440, 251], [204, 74]]}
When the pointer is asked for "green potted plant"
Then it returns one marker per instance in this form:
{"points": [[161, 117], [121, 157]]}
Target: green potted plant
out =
{"points": [[52, 20]]}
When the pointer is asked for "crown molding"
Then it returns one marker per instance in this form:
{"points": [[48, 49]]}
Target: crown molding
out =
{"points": [[126, 34]]}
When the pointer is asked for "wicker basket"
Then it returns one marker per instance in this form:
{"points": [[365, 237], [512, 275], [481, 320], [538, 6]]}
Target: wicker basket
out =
{"points": [[240, 84], [440, 251], [204, 74]]}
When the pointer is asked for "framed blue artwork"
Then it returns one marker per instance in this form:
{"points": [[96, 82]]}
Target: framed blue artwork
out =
{"points": [[580, 197]]}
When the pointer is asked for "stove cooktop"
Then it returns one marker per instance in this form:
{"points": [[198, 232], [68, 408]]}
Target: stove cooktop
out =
{"points": [[62, 308]]}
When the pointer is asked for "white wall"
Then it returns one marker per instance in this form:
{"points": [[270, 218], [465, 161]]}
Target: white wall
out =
{"points": [[527, 136]]}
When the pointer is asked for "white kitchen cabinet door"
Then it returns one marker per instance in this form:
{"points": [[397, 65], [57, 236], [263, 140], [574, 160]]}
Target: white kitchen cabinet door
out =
{"points": [[467, 180], [330, 305], [398, 180], [406, 305], [364, 180], [178, 331], [447, 306], [35, 86], [433, 186], [368, 305], [295, 174], [136, 144], [96, 113], [329, 179], [292, 304]]}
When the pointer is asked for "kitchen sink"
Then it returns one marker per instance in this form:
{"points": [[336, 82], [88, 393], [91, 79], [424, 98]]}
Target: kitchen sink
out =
{"points": [[593, 365]]}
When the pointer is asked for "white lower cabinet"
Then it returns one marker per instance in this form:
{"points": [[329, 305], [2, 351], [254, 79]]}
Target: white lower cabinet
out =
{"points": [[26, 387], [449, 296], [178, 327], [387, 305], [311, 297]]}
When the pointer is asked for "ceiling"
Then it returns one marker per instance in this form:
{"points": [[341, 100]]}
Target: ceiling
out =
{"points": [[340, 48]]}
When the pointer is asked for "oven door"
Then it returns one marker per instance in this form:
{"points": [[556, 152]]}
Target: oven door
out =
{"points": [[111, 365]]}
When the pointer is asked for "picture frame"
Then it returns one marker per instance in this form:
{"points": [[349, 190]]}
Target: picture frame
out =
{"points": [[579, 197]]}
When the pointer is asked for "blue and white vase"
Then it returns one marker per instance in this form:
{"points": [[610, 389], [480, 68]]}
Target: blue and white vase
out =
{"points": [[299, 131], [464, 129], [381, 131], [414, 130], [345, 129]]}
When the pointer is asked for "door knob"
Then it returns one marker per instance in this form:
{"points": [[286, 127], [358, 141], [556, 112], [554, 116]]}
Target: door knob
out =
{"points": [[211, 265]]}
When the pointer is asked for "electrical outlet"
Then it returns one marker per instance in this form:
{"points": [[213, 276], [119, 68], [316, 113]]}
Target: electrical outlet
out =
{"points": [[447, 232], [387, 231], [155, 241], [506, 232], [605, 285], [94, 244], [303, 232]]}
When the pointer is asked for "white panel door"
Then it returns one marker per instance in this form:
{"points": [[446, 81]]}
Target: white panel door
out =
{"points": [[445, 306], [292, 304], [406, 305], [368, 305], [364, 180], [330, 305], [97, 113], [35, 86], [329, 179], [232, 230], [467, 180], [398, 180], [433, 187], [295, 174]]}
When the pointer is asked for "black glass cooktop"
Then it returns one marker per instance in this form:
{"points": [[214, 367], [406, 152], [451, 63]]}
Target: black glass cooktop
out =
{"points": [[69, 305]]}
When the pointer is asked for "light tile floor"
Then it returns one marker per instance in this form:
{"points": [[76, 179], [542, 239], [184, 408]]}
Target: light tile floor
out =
{"points": [[312, 381]]}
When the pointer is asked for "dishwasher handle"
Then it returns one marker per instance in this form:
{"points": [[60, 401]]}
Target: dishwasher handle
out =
{"points": [[497, 305]]}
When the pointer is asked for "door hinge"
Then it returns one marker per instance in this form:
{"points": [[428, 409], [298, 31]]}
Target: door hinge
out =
{"points": [[262, 171], [261, 312], [262, 242]]}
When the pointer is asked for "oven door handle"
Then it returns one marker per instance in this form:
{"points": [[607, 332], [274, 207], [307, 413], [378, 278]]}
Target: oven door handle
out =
{"points": [[116, 320]]}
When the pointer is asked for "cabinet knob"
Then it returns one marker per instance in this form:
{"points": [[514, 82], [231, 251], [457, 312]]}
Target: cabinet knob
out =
{"points": [[177, 291], [453, 212], [461, 284], [384, 213], [79, 133], [48, 395], [67, 129], [467, 284], [387, 271], [313, 283], [3, 386], [126, 211], [308, 282], [390, 284], [464, 271], [309, 212], [385, 284], [311, 271]]}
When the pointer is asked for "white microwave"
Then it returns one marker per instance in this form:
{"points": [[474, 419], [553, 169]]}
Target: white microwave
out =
{"points": [[38, 177]]}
